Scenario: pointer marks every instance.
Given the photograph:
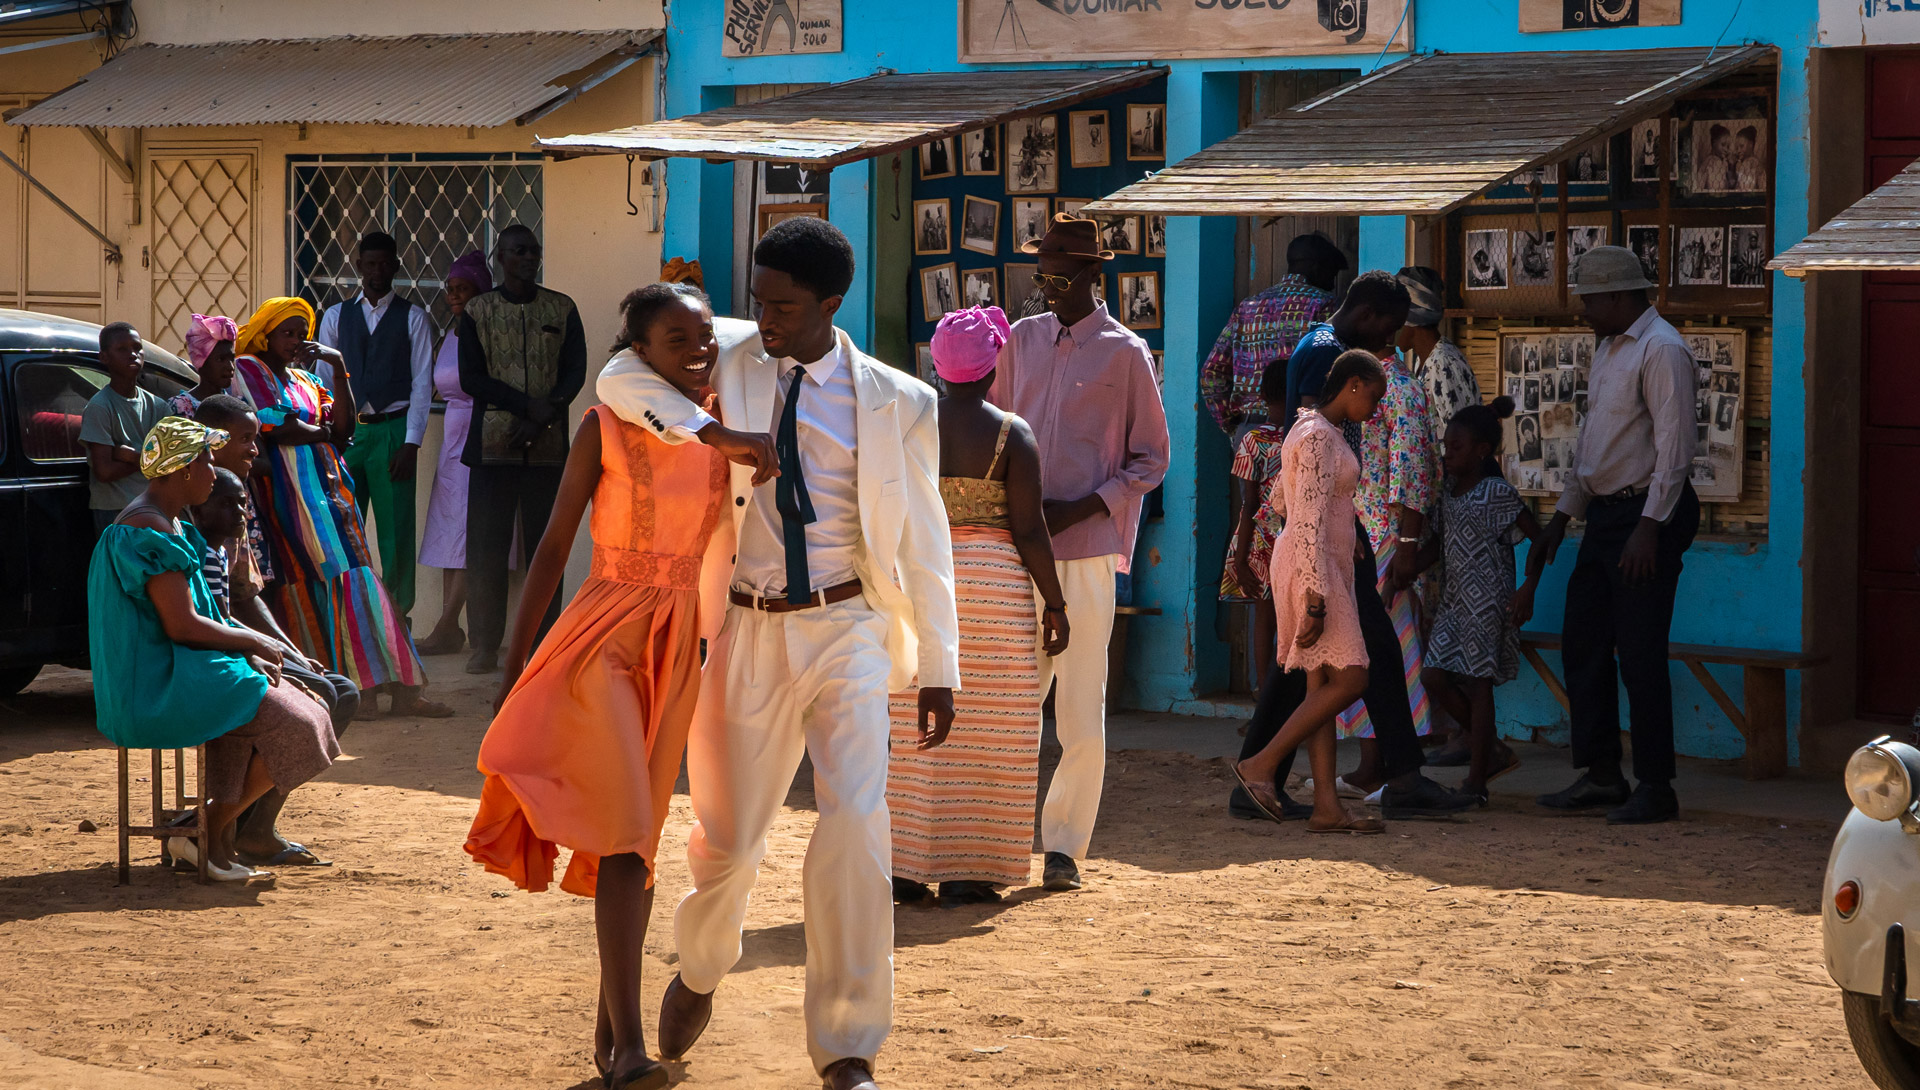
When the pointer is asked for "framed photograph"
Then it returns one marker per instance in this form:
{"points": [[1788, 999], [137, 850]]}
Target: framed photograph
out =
{"points": [[1646, 151], [1699, 256], [1580, 240], [980, 226], [1532, 259], [1069, 206], [1022, 294], [1121, 234], [1033, 154], [932, 230], [1029, 220], [980, 288], [1159, 368], [936, 159], [939, 290], [1728, 155], [1100, 286], [1089, 138], [1747, 255], [1486, 260], [1645, 244], [1140, 300], [793, 180], [980, 152], [923, 362], [771, 214], [1156, 236], [1589, 164], [1146, 131]]}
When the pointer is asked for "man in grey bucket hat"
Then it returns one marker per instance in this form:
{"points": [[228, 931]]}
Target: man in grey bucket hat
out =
{"points": [[1630, 469]]}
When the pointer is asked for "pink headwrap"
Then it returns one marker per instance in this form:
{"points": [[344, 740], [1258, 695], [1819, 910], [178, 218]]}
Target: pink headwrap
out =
{"points": [[473, 269], [204, 332], [966, 345]]}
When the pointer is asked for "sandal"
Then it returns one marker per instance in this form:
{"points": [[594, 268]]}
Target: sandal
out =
{"points": [[446, 645], [1511, 761], [650, 1075], [1261, 794], [1350, 824], [422, 708], [293, 855]]}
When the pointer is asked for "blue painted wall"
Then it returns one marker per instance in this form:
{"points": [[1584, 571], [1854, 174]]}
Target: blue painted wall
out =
{"points": [[1745, 594]]}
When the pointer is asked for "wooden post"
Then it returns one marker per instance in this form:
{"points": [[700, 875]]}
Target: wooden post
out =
{"points": [[1563, 244], [121, 880], [1664, 261], [1766, 693], [203, 838]]}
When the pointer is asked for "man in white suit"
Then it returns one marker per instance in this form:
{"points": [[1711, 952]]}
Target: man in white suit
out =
{"points": [[841, 591]]}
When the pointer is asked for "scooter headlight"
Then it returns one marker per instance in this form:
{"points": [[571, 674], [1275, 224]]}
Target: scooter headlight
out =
{"points": [[1881, 777]]}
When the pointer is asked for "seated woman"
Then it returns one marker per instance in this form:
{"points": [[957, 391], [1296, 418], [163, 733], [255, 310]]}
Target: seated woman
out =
{"points": [[168, 675]]}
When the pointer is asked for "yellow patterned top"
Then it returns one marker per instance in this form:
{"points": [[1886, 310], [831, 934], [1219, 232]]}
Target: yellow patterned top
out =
{"points": [[979, 501]]}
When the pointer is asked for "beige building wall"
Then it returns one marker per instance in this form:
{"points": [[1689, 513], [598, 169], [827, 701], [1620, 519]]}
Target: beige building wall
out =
{"points": [[595, 250]]}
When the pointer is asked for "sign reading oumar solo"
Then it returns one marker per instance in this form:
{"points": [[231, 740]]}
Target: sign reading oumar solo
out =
{"points": [[774, 27], [1075, 30]]}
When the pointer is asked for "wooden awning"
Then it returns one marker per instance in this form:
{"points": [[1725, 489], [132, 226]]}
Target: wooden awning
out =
{"points": [[1879, 231], [845, 122], [1427, 134]]}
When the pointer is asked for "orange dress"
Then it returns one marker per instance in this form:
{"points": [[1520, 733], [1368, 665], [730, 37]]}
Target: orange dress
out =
{"points": [[585, 751]]}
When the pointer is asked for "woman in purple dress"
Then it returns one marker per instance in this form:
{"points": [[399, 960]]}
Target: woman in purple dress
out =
{"points": [[444, 544]]}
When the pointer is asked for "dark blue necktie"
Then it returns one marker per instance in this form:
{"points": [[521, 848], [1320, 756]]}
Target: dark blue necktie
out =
{"points": [[790, 496]]}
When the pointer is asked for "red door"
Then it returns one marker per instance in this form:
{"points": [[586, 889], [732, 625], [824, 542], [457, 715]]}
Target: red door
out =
{"points": [[1890, 422]]}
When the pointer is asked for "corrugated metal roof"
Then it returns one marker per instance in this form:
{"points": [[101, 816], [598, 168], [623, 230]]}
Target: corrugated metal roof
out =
{"points": [[1426, 134], [843, 122], [1879, 231], [481, 80]]}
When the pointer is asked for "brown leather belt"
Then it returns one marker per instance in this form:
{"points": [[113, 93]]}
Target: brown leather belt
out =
{"points": [[381, 418], [780, 604]]}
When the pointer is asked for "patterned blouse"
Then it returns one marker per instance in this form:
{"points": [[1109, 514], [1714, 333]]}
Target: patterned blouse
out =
{"points": [[1397, 456], [1258, 463], [1264, 328], [1449, 383]]}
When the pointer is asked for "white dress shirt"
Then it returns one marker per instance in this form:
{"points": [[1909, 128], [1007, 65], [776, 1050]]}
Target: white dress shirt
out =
{"points": [[419, 403], [1639, 433], [827, 421]]}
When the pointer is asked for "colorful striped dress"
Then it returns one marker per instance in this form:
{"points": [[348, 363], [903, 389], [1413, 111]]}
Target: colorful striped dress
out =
{"points": [[964, 811], [326, 594]]}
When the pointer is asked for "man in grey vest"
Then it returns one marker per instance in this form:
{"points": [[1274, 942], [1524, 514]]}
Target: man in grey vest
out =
{"points": [[387, 343]]}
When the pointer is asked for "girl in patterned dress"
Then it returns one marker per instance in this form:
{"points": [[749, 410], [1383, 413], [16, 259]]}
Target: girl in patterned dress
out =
{"points": [[1475, 643], [1250, 550]]}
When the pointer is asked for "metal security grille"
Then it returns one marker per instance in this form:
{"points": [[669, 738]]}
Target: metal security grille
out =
{"points": [[202, 242], [437, 207]]}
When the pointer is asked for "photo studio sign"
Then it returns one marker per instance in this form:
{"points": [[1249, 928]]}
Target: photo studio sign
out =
{"points": [[1543, 16], [756, 28], [1869, 22], [1075, 30]]}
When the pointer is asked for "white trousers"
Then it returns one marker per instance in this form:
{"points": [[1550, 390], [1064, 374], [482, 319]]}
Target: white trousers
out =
{"points": [[1079, 704], [815, 681]]}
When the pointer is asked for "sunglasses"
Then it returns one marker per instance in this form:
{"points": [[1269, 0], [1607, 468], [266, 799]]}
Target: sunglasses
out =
{"points": [[1058, 283]]}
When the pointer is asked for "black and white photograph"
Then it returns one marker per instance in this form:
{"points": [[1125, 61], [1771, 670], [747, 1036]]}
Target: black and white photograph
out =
{"points": [[980, 152], [923, 362], [793, 180], [1646, 151], [980, 226], [980, 288], [1556, 420], [932, 229], [1719, 358], [1590, 163], [1100, 286], [1023, 298], [1514, 355], [1723, 410], [1530, 395], [1514, 389], [1146, 131], [1140, 300], [939, 291], [1564, 353], [1156, 236], [1582, 359], [1486, 260], [1029, 220], [1728, 155], [1033, 154], [1090, 138], [1121, 234], [1747, 255], [1069, 206], [937, 159], [1532, 259], [1582, 239], [1531, 355], [1699, 258], [1645, 244], [1526, 430], [1564, 394], [1553, 453]]}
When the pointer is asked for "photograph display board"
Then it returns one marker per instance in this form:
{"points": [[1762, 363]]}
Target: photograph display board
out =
{"points": [[1083, 30]]}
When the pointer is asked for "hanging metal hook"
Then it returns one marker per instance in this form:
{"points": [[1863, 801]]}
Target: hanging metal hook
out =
{"points": [[632, 208], [896, 187]]}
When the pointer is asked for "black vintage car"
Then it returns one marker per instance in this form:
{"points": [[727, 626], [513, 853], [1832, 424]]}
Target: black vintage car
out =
{"points": [[49, 367]]}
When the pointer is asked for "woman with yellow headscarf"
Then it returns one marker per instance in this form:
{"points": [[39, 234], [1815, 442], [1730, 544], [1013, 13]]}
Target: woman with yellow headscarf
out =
{"points": [[326, 593]]}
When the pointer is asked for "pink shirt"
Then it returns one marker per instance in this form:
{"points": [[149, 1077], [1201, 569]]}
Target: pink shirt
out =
{"points": [[1088, 391]]}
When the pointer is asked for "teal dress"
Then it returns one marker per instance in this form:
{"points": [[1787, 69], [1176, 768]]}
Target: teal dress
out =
{"points": [[149, 692]]}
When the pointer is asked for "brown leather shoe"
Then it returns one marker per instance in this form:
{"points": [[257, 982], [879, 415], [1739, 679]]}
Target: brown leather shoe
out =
{"points": [[683, 1018], [849, 1074]]}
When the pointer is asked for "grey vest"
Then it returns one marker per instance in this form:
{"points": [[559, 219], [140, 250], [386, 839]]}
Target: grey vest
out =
{"points": [[381, 363]]}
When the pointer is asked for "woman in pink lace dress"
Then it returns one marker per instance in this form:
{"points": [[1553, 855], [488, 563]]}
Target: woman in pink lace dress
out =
{"points": [[1312, 580]]}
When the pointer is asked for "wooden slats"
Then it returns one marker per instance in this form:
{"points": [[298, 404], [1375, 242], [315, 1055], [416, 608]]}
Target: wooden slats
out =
{"points": [[859, 119], [1428, 134], [1879, 231]]}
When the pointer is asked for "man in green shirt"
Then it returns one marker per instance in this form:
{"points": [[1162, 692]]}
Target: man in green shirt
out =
{"points": [[113, 425]]}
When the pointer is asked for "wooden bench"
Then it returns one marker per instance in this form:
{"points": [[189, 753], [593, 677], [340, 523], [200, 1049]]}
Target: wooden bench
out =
{"points": [[1763, 722]]}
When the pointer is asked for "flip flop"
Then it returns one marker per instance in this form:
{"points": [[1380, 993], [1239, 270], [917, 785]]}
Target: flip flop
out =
{"points": [[293, 855], [423, 709], [1352, 825], [650, 1075], [1513, 762], [1247, 786]]}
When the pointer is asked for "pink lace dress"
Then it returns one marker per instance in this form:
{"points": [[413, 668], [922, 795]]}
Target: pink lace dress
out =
{"points": [[1318, 476]]}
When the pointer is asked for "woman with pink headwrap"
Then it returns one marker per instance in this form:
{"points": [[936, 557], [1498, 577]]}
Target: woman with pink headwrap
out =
{"points": [[963, 813], [443, 544], [210, 351]]}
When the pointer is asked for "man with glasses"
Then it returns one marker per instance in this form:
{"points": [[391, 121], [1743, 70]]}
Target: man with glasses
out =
{"points": [[1085, 383]]}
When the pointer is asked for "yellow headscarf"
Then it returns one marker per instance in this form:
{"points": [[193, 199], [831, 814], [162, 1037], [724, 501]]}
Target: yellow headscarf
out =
{"points": [[174, 443], [253, 336]]}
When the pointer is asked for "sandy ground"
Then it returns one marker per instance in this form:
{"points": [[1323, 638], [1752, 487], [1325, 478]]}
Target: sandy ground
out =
{"points": [[1511, 950]]}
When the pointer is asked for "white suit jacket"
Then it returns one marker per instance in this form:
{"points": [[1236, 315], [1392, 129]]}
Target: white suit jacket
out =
{"points": [[905, 559]]}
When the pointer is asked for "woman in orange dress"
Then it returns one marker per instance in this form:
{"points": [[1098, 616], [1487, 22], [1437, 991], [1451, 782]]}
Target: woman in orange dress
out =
{"points": [[588, 737]]}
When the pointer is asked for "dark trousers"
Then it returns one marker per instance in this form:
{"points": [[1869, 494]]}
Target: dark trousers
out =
{"points": [[341, 696], [1386, 695], [496, 495], [1605, 619]]}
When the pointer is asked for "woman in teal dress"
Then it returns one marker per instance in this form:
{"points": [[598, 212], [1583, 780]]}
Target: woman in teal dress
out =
{"points": [[167, 673]]}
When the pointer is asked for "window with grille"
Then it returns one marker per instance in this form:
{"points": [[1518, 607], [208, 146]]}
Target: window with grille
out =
{"points": [[436, 207]]}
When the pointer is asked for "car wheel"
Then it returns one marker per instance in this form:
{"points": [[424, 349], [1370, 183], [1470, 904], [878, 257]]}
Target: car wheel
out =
{"points": [[15, 678], [1891, 1060]]}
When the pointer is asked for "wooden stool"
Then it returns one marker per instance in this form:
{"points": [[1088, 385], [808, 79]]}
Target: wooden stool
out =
{"points": [[200, 832]]}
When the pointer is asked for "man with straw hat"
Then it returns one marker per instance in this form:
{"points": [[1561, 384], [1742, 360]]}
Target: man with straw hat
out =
{"points": [[1085, 383]]}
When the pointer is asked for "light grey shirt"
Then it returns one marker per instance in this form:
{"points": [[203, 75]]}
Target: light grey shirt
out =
{"points": [[827, 421], [419, 403], [1639, 432]]}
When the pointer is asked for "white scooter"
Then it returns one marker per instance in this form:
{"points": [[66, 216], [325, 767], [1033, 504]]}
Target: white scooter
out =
{"points": [[1870, 903]]}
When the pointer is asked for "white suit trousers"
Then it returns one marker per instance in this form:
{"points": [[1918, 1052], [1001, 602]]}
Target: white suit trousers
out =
{"points": [[1079, 704], [814, 680]]}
